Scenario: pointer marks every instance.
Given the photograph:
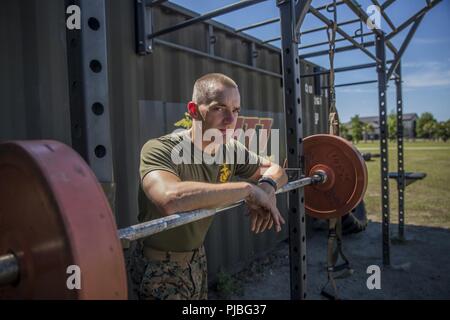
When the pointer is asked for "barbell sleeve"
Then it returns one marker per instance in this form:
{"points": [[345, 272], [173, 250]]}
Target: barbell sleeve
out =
{"points": [[9, 269]]}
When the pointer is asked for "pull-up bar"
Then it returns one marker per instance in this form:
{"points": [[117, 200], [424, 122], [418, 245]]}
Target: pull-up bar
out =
{"points": [[343, 23], [351, 84], [344, 69], [224, 10], [328, 5], [340, 49], [258, 24], [337, 40]]}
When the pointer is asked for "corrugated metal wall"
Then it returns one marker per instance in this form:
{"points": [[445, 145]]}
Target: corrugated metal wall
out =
{"points": [[34, 100], [147, 95]]}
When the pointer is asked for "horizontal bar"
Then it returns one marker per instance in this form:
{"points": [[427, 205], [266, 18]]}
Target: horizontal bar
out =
{"points": [[272, 40], [258, 24], [148, 228], [224, 10], [217, 58], [337, 40], [219, 26], [340, 49], [353, 84], [344, 69], [330, 23], [9, 269], [331, 4], [343, 23]]}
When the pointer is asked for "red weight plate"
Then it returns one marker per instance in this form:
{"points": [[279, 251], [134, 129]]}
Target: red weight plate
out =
{"points": [[54, 214], [346, 176]]}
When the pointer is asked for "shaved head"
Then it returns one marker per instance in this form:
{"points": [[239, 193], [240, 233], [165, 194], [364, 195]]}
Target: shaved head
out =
{"points": [[209, 86]]}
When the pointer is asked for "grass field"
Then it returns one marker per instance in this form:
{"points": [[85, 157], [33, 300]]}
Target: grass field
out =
{"points": [[427, 201]]}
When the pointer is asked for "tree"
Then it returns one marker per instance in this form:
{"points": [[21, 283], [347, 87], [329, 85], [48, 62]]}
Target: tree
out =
{"points": [[345, 133], [367, 129], [426, 125], [443, 130], [357, 128], [430, 129], [392, 125]]}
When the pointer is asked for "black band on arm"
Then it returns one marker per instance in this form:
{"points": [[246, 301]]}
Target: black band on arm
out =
{"points": [[269, 181]]}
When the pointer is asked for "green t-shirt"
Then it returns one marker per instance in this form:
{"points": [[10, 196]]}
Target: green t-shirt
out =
{"points": [[157, 154]]}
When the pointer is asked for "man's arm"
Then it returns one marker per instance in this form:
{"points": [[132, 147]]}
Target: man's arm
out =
{"points": [[271, 170], [171, 195]]}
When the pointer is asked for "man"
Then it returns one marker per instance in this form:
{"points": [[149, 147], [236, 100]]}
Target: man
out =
{"points": [[175, 261]]}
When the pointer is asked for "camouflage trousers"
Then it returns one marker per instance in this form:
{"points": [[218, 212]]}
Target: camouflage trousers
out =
{"points": [[169, 280]]}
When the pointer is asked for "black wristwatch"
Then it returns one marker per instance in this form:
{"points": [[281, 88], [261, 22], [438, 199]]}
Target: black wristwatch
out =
{"points": [[269, 181]]}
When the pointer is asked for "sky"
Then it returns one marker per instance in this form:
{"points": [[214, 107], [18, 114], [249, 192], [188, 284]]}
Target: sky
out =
{"points": [[425, 64]]}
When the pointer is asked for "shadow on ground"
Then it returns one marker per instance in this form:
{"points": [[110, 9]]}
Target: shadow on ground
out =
{"points": [[420, 267]]}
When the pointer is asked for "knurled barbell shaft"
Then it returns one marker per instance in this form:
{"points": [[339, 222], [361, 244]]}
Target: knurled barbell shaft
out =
{"points": [[149, 228], [9, 266]]}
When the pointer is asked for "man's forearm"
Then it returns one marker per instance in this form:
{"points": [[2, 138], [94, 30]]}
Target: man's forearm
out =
{"points": [[276, 173], [190, 195]]}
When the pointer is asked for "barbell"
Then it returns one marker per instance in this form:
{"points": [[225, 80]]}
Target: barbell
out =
{"points": [[54, 214]]}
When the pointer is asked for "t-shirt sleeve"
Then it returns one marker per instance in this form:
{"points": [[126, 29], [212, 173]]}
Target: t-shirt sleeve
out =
{"points": [[155, 155], [247, 162]]}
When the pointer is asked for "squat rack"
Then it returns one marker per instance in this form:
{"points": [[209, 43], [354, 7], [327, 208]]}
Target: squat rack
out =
{"points": [[88, 66]]}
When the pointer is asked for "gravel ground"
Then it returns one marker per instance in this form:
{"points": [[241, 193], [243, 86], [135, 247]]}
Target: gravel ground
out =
{"points": [[420, 267]]}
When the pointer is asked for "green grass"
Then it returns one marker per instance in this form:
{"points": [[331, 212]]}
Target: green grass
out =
{"points": [[427, 201]]}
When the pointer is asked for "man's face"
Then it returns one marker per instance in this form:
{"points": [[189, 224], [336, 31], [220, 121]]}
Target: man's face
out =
{"points": [[222, 112]]}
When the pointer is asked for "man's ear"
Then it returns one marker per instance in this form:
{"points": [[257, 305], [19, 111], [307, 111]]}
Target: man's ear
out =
{"points": [[193, 110]]}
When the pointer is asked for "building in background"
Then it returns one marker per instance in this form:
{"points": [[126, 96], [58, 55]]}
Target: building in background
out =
{"points": [[409, 126]]}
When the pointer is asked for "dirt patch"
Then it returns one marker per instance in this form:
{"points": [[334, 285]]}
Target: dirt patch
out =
{"points": [[420, 267]]}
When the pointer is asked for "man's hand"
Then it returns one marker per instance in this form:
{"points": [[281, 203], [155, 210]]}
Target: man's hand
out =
{"points": [[263, 208], [259, 223], [259, 220]]}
